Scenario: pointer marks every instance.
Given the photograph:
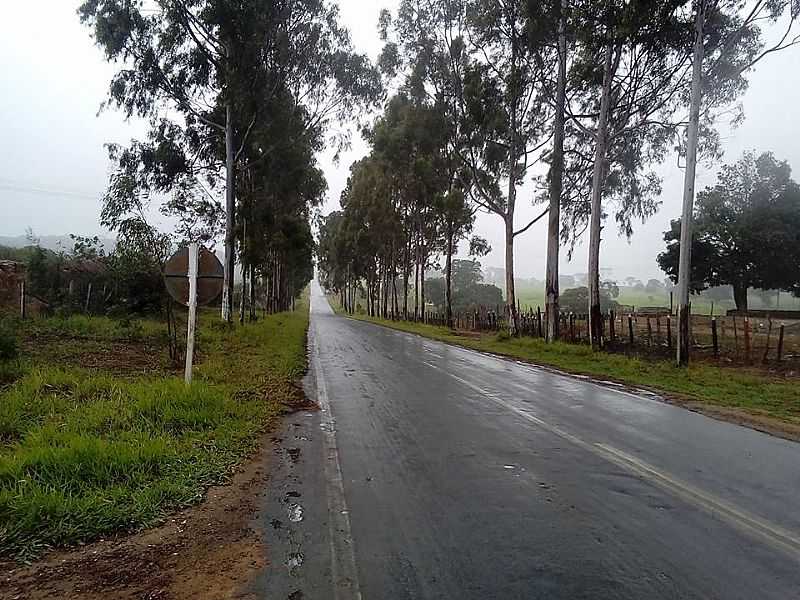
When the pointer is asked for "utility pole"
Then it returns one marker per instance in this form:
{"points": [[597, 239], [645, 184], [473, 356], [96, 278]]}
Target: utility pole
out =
{"points": [[685, 260]]}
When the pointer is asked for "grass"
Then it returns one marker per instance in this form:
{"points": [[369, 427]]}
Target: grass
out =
{"points": [[701, 305], [84, 454], [751, 391], [94, 327]]}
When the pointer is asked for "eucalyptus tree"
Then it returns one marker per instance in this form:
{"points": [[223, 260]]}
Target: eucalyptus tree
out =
{"points": [[548, 37], [214, 63], [626, 83], [506, 118], [727, 44]]}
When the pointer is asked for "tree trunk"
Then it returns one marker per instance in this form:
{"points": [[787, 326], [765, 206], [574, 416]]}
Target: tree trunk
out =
{"points": [[740, 296], [416, 285], [423, 260], [556, 186], [595, 315], [448, 278], [511, 301], [252, 302], [230, 218], [685, 259], [242, 306], [406, 275]]}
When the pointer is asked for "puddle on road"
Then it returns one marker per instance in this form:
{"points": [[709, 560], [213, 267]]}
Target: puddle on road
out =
{"points": [[294, 561], [295, 512]]}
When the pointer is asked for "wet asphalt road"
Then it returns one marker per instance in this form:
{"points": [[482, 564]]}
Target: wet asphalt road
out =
{"points": [[437, 472]]}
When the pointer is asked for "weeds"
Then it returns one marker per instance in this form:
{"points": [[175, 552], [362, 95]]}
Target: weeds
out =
{"points": [[83, 454]]}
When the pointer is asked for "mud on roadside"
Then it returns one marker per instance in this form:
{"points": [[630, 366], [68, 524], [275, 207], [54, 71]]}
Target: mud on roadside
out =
{"points": [[210, 551]]}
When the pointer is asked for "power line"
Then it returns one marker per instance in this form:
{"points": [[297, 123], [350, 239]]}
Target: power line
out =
{"points": [[13, 187]]}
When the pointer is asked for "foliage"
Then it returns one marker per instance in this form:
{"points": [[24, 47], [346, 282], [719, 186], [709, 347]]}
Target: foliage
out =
{"points": [[9, 345], [86, 454], [747, 230], [252, 88], [576, 300], [469, 291]]}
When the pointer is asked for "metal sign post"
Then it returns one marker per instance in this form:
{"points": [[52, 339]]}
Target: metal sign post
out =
{"points": [[193, 276], [193, 252]]}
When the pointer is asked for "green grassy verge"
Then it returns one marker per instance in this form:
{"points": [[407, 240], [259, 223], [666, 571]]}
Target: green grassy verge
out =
{"points": [[84, 453], [747, 390]]}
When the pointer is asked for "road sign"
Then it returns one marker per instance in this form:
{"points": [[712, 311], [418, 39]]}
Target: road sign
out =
{"points": [[209, 276]]}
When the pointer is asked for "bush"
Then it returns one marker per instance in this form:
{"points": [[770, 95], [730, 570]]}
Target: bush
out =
{"points": [[9, 349]]}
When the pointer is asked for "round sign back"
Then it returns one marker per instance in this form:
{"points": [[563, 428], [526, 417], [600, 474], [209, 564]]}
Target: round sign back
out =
{"points": [[209, 276]]}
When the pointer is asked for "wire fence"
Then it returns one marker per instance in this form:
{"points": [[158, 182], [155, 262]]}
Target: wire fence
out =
{"points": [[740, 338]]}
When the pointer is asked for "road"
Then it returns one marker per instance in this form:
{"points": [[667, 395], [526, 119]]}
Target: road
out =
{"points": [[437, 472]]}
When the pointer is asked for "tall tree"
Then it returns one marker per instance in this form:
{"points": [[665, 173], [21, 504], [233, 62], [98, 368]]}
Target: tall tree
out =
{"points": [[215, 63], [727, 36], [746, 231]]}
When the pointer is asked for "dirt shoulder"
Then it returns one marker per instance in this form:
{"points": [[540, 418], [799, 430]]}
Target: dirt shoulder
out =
{"points": [[209, 551]]}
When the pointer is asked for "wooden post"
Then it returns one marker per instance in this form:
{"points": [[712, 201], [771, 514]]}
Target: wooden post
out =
{"points": [[611, 331], [671, 308], [22, 302], [714, 339], [780, 343], [539, 321], [572, 327], [192, 311], [630, 329], [649, 333], [747, 339], [735, 336], [88, 298], [769, 337], [669, 333]]}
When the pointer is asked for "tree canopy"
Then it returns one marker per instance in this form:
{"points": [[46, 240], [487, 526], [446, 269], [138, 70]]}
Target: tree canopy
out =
{"points": [[746, 230]]}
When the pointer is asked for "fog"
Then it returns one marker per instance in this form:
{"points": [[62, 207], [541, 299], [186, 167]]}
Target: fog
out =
{"points": [[54, 168]]}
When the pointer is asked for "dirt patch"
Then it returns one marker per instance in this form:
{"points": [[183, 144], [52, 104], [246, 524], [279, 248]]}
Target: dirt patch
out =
{"points": [[122, 358], [208, 551]]}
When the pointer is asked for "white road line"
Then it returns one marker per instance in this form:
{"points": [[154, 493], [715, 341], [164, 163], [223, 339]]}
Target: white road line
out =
{"points": [[343, 560], [755, 526]]}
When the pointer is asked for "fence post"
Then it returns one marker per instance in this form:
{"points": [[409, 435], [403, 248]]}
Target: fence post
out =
{"points": [[572, 327], [769, 337], [630, 329], [780, 343], [88, 298], [22, 302], [669, 333], [539, 320], [611, 331], [649, 333], [714, 339], [747, 339]]}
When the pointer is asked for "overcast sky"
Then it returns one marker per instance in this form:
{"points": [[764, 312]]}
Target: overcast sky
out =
{"points": [[54, 169]]}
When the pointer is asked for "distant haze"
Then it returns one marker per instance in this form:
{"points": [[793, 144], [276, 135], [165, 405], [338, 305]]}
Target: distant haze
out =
{"points": [[54, 169]]}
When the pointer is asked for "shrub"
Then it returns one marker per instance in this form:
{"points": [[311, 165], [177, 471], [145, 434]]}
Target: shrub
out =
{"points": [[9, 349]]}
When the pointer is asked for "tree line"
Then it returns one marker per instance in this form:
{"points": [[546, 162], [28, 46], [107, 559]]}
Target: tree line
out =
{"points": [[240, 97], [580, 99]]}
